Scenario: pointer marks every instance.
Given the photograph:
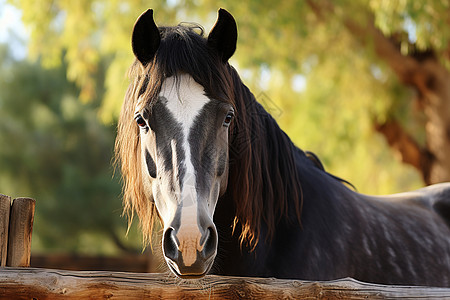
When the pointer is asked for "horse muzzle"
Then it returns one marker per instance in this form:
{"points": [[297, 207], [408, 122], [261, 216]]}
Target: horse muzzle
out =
{"points": [[190, 256]]}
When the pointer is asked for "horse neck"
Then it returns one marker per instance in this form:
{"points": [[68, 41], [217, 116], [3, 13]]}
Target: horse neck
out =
{"points": [[288, 175], [263, 179]]}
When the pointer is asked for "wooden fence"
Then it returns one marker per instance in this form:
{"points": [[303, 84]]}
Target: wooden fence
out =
{"points": [[16, 222], [31, 283]]}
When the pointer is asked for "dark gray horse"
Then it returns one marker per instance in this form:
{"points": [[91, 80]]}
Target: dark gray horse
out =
{"points": [[235, 196]]}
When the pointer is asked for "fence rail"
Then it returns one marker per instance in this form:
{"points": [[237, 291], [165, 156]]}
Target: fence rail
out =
{"points": [[33, 283]]}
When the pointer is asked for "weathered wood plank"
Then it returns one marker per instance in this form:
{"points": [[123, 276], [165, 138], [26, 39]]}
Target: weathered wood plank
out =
{"points": [[32, 283], [20, 231], [5, 208]]}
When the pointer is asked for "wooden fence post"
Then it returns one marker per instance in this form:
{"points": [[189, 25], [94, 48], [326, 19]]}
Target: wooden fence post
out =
{"points": [[20, 230], [5, 208]]}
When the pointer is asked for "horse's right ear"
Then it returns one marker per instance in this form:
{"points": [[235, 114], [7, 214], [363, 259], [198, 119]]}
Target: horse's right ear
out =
{"points": [[145, 39]]}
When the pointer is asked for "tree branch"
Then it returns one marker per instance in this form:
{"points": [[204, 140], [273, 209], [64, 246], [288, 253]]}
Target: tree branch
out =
{"points": [[386, 49], [410, 151]]}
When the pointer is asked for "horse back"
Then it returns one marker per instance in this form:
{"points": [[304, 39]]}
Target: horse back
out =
{"points": [[437, 198], [403, 238]]}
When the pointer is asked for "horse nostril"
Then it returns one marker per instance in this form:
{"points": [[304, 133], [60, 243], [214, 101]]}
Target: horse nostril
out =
{"points": [[170, 244], [210, 241]]}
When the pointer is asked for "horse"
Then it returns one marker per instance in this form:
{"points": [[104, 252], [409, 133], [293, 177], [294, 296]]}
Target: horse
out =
{"points": [[235, 196]]}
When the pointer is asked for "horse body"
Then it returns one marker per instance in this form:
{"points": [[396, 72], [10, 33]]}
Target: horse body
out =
{"points": [[236, 197], [396, 239]]}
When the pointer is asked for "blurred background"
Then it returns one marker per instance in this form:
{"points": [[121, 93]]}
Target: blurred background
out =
{"points": [[364, 84]]}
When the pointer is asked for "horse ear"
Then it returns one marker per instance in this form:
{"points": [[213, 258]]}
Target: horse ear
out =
{"points": [[223, 35], [145, 39]]}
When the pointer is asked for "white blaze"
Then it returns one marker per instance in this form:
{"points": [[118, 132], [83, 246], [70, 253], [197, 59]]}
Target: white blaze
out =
{"points": [[185, 100]]}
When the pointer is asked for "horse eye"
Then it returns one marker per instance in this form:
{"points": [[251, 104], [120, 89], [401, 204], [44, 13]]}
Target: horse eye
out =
{"points": [[228, 119], [140, 121]]}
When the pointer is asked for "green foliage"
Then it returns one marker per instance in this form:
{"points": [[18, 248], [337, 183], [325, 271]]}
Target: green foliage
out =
{"points": [[65, 152], [428, 19], [347, 87], [55, 150]]}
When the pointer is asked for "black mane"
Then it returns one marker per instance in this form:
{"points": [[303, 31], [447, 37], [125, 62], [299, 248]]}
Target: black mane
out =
{"points": [[263, 174]]}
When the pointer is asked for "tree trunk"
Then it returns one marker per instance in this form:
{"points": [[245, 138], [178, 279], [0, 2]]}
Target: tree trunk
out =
{"points": [[431, 80]]}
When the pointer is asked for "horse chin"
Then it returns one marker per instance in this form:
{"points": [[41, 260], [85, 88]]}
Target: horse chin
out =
{"points": [[188, 276], [196, 272]]}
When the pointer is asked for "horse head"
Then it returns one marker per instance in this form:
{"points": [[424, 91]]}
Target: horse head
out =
{"points": [[182, 131]]}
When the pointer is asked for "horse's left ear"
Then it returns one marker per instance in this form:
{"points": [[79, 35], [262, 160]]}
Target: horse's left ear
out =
{"points": [[145, 39], [223, 35]]}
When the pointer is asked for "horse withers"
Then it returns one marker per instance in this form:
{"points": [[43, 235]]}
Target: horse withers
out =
{"points": [[236, 197]]}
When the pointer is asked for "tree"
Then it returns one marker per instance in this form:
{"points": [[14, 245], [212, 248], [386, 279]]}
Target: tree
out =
{"points": [[420, 59], [54, 149], [369, 66]]}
